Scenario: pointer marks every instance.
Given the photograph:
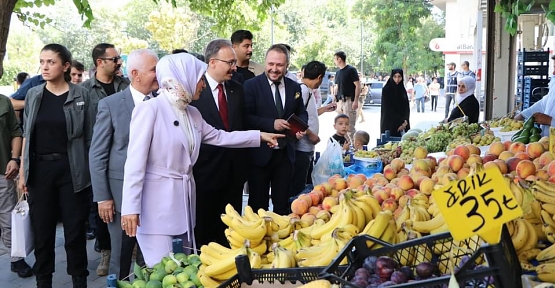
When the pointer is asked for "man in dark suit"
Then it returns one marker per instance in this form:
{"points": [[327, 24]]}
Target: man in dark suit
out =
{"points": [[270, 99], [108, 153], [220, 173]]}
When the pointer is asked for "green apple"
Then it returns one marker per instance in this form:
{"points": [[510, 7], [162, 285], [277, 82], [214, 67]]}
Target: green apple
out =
{"points": [[158, 276], [169, 280], [139, 283], [191, 270], [158, 267], [170, 266], [182, 277], [154, 284], [188, 284], [196, 280], [181, 257]]}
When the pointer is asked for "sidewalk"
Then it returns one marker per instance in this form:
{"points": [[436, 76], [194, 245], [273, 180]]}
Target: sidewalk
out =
{"points": [[60, 279]]}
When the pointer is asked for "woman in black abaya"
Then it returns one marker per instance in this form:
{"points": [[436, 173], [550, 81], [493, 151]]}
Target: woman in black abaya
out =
{"points": [[395, 105]]}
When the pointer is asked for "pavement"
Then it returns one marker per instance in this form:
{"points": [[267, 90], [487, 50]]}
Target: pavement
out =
{"points": [[371, 125]]}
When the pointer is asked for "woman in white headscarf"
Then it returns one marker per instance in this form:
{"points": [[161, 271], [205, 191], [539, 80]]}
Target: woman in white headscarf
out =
{"points": [[466, 102], [158, 202]]}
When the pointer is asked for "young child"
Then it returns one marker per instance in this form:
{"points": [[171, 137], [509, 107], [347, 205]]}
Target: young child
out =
{"points": [[361, 138], [341, 124]]}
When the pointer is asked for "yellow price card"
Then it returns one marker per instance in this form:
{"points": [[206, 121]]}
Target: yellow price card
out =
{"points": [[478, 205]]}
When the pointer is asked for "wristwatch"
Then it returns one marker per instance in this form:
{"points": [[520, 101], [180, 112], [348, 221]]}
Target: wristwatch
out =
{"points": [[17, 160]]}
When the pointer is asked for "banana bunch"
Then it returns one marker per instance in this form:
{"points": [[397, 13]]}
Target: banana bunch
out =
{"points": [[206, 280], [407, 256], [523, 235], [323, 253], [546, 272], [278, 226], [544, 191], [283, 258], [351, 210], [517, 190], [296, 241], [383, 227], [525, 257], [250, 227], [547, 255], [220, 260], [543, 207]]}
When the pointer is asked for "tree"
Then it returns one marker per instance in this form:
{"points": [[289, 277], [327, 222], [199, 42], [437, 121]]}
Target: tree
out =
{"points": [[396, 26], [173, 28], [227, 14]]}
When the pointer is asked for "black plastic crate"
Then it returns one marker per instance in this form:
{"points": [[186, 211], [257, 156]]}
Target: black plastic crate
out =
{"points": [[533, 56], [247, 275], [533, 70], [502, 263]]}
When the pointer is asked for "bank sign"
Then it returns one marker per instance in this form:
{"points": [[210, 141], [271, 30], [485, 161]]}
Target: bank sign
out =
{"points": [[454, 46]]}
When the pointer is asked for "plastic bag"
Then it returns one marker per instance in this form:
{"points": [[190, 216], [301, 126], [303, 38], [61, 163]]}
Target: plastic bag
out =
{"points": [[22, 235], [329, 164]]}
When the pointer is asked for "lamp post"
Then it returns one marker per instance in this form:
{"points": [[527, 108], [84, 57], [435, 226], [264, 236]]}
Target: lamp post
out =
{"points": [[361, 50]]}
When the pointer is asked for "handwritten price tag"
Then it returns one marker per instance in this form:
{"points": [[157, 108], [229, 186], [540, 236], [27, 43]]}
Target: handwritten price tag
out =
{"points": [[478, 204]]}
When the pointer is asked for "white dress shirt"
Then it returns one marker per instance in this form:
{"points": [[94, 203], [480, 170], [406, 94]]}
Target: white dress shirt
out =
{"points": [[138, 97], [213, 84], [281, 91]]}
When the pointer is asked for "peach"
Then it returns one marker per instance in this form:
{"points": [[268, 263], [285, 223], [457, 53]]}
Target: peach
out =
{"points": [[546, 157], [534, 150], [488, 157], [299, 206], [536, 162], [462, 151], [314, 210], [551, 179], [502, 166], [329, 202], [308, 219], [404, 200], [394, 180], [517, 147], [463, 173], [340, 184], [505, 155], [542, 174], [522, 155], [449, 177], [377, 175], [355, 181], [389, 204], [422, 166], [412, 192], [396, 193], [307, 199], [507, 144], [474, 158], [550, 167], [324, 215], [531, 178], [474, 150], [403, 171], [456, 162], [420, 152], [545, 142], [334, 193], [492, 164], [405, 182], [382, 194], [294, 216], [525, 168], [382, 181], [316, 198], [389, 173], [398, 164], [496, 148], [427, 186], [361, 176], [376, 188], [512, 163]]}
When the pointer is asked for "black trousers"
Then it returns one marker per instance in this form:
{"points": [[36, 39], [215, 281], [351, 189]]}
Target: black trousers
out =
{"points": [[449, 97], [434, 103], [302, 166], [277, 174], [51, 194], [210, 204], [102, 233]]}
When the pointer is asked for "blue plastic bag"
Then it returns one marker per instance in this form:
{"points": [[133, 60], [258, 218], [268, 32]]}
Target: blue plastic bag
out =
{"points": [[368, 168]]}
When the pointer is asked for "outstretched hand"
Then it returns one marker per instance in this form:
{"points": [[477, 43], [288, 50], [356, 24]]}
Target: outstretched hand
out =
{"points": [[270, 138]]}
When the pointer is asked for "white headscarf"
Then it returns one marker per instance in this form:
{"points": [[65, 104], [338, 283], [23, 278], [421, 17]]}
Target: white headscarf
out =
{"points": [[470, 84], [178, 75]]}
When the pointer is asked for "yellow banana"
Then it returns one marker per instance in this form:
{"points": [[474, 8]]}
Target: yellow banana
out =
{"points": [[550, 208], [549, 232], [281, 220], [536, 207], [524, 258], [545, 186], [426, 226], [521, 234], [441, 229], [261, 248], [539, 231], [249, 214], [254, 231], [343, 217], [366, 209], [532, 240], [546, 272], [223, 266], [547, 218], [403, 216], [255, 260], [358, 214], [330, 249], [547, 254], [238, 238], [220, 248], [225, 275], [206, 281], [377, 227], [373, 203], [229, 210], [517, 193], [543, 197]]}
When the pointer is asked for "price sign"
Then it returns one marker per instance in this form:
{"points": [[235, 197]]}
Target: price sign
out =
{"points": [[478, 204]]}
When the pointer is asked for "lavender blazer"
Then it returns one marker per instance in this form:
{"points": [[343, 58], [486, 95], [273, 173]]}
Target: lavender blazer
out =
{"points": [[158, 180]]}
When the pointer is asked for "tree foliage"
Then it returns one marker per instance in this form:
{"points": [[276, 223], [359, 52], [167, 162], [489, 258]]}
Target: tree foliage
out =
{"points": [[173, 28]]}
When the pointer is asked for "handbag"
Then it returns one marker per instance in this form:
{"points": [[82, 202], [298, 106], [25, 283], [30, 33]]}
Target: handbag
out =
{"points": [[22, 234], [329, 164]]}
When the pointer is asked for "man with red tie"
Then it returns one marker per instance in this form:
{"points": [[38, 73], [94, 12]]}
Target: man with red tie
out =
{"points": [[219, 172]]}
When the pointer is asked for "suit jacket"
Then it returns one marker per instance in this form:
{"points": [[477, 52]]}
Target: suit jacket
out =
{"points": [[262, 112], [108, 150], [158, 181], [229, 164]]}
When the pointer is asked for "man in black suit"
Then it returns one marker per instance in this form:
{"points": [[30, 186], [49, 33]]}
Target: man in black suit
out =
{"points": [[267, 109], [220, 173]]}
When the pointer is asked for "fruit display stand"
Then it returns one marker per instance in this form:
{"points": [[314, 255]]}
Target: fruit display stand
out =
{"points": [[476, 264]]}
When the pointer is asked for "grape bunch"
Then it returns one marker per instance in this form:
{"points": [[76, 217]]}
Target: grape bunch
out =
{"points": [[407, 150], [464, 129], [366, 154], [438, 141], [459, 140], [484, 140]]}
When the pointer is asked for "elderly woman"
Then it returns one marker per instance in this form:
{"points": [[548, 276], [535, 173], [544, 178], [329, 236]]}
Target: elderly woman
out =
{"points": [[158, 202], [466, 103]]}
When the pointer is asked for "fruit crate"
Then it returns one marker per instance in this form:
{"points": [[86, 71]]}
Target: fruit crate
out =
{"points": [[501, 266], [273, 276]]}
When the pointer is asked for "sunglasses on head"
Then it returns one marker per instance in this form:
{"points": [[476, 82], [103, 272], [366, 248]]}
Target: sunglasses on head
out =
{"points": [[115, 59]]}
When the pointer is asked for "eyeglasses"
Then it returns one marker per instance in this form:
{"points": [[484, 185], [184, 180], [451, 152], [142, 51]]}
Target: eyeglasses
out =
{"points": [[231, 63], [115, 59]]}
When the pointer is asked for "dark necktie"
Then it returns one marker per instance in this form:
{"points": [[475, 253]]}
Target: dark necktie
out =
{"points": [[147, 97], [277, 98], [222, 104]]}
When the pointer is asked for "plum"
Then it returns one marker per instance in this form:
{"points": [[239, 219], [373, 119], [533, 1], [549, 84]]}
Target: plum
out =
{"points": [[362, 272], [370, 264], [386, 284], [385, 267], [463, 261], [375, 279], [425, 269], [360, 282], [372, 286], [407, 271], [399, 277]]}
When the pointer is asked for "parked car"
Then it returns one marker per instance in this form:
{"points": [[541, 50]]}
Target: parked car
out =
{"points": [[374, 96]]}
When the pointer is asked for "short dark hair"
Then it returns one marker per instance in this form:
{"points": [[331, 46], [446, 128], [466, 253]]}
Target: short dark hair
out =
{"points": [[340, 116], [238, 36], [77, 65], [341, 55], [64, 55], [21, 77], [177, 51], [465, 63], [213, 47], [314, 69], [279, 48], [286, 46], [198, 56], [99, 51]]}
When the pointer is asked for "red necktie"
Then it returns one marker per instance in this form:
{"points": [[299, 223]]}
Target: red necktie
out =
{"points": [[222, 104]]}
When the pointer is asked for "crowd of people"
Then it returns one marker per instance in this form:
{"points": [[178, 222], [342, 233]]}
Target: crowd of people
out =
{"points": [[137, 161]]}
